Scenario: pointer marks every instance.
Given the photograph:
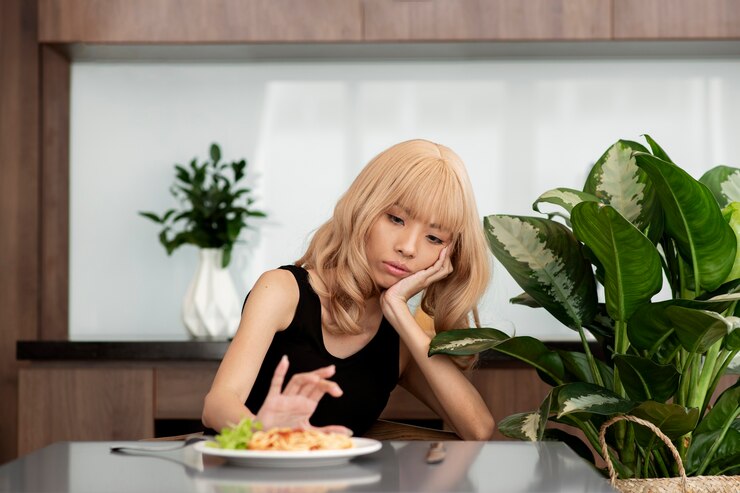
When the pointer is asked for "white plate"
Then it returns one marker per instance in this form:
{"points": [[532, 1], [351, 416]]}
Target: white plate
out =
{"points": [[279, 458]]}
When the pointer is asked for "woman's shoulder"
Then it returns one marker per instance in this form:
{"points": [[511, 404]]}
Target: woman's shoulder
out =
{"points": [[274, 295]]}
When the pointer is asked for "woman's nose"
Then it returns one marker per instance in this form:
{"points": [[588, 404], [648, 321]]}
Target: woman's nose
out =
{"points": [[406, 245]]}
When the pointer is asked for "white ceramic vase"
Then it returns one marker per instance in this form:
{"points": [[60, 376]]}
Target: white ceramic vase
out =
{"points": [[211, 306]]}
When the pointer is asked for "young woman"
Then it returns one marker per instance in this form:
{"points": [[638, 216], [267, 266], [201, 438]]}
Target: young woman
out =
{"points": [[338, 323]]}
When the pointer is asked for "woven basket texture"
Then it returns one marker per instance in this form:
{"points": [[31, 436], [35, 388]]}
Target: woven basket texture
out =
{"points": [[695, 484], [681, 484]]}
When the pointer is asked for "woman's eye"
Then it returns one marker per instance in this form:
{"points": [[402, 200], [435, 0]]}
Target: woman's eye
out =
{"points": [[435, 240], [395, 219]]}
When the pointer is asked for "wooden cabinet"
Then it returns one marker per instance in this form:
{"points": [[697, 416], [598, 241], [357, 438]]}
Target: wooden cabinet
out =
{"points": [[122, 401], [676, 19], [198, 21], [85, 403], [492, 20]]}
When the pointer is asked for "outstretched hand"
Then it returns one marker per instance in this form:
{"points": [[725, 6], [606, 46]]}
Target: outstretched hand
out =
{"points": [[292, 407], [398, 295]]}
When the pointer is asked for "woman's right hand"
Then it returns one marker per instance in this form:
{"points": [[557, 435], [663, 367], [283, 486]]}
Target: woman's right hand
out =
{"points": [[292, 407]]}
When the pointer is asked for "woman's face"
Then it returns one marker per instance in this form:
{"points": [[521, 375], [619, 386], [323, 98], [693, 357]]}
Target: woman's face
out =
{"points": [[398, 246]]}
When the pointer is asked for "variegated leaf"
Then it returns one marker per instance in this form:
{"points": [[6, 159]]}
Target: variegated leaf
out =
{"points": [[567, 198], [522, 426], [617, 180], [546, 260], [589, 398], [464, 342], [724, 183]]}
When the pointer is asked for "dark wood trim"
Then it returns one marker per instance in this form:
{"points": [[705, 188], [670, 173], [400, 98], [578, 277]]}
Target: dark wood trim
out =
{"points": [[203, 21], [54, 181], [19, 207]]}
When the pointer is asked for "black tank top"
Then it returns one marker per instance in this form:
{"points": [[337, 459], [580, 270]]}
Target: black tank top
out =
{"points": [[366, 377]]}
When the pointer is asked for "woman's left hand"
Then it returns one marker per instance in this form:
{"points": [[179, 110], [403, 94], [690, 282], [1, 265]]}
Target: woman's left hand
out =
{"points": [[398, 295]]}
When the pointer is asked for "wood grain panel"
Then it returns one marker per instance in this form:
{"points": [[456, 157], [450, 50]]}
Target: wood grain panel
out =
{"points": [[509, 390], [54, 183], [19, 171], [478, 20], [402, 405], [201, 21], [180, 391], [677, 19], [84, 404]]}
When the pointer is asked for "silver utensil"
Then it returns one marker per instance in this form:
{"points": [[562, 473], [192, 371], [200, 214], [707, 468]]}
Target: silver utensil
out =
{"points": [[436, 453], [183, 444]]}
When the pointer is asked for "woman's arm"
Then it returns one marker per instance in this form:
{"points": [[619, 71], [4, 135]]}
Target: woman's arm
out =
{"points": [[436, 380], [269, 309], [440, 384]]}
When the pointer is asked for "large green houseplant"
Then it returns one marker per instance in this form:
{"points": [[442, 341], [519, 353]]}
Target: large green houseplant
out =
{"points": [[639, 221], [214, 209]]}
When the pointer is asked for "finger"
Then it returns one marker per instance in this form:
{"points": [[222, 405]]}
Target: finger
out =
{"points": [[324, 387], [334, 429], [300, 380], [278, 377]]}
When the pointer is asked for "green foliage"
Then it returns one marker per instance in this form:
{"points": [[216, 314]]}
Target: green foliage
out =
{"points": [[639, 219], [213, 209], [237, 437]]}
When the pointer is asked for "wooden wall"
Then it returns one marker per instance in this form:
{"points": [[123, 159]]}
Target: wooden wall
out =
{"points": [[19, 201]]}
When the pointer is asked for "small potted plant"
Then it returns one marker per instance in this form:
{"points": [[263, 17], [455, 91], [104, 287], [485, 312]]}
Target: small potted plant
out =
{"points": [[640, 221], [213, 211]]}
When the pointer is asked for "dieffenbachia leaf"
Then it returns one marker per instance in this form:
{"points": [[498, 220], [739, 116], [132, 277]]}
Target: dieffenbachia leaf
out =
{"points": [[578, 369], [545, 259], [464, 342], [715, 438], [650, 325], [567, 198], [632, 265], [645, 380], [672, 419], [724, 183], [693, 220], [584, 397], [731, 213], [616, 180], [657, 150], [525, 300], [522, 426], [697, 330]]}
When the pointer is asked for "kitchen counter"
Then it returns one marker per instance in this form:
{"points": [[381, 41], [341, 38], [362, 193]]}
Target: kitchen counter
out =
{"points": [[194, 350]]}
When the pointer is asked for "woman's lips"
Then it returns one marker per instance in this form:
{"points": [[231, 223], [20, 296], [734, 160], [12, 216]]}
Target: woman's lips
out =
{"points": [[396, 269]]}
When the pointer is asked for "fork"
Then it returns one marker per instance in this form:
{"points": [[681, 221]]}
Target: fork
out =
{"points": [[185, 443]]}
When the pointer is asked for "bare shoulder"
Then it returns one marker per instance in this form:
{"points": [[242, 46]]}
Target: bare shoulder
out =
{"points": [[275, 297]]}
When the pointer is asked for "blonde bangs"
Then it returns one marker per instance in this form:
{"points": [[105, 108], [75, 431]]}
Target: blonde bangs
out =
{"points": [[434, 195]]}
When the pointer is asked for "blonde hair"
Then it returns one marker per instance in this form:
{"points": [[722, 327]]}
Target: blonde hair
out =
{"points": [[429, 181]]}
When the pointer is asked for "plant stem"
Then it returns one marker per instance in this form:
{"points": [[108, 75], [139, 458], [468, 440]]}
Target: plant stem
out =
{"points": [[591, 361], [726, 358], [661, 462], [717, 442], [698, 392]]}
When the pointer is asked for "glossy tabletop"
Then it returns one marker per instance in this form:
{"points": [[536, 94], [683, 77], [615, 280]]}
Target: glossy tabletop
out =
{"points": [[397, 466]]}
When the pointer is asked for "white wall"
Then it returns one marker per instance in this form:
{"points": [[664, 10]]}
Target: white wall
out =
{"points": [[306, 129]]}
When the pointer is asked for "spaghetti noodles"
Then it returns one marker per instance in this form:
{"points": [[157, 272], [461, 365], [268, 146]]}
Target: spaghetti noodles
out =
{"points": [[289, 439]]}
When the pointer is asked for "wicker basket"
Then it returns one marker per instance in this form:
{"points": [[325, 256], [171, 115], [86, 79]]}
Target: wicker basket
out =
{"points": [[694, 484]]}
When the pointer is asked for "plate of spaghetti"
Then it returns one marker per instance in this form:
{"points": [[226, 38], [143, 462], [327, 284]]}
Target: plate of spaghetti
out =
{"points": [[285, 447]]}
